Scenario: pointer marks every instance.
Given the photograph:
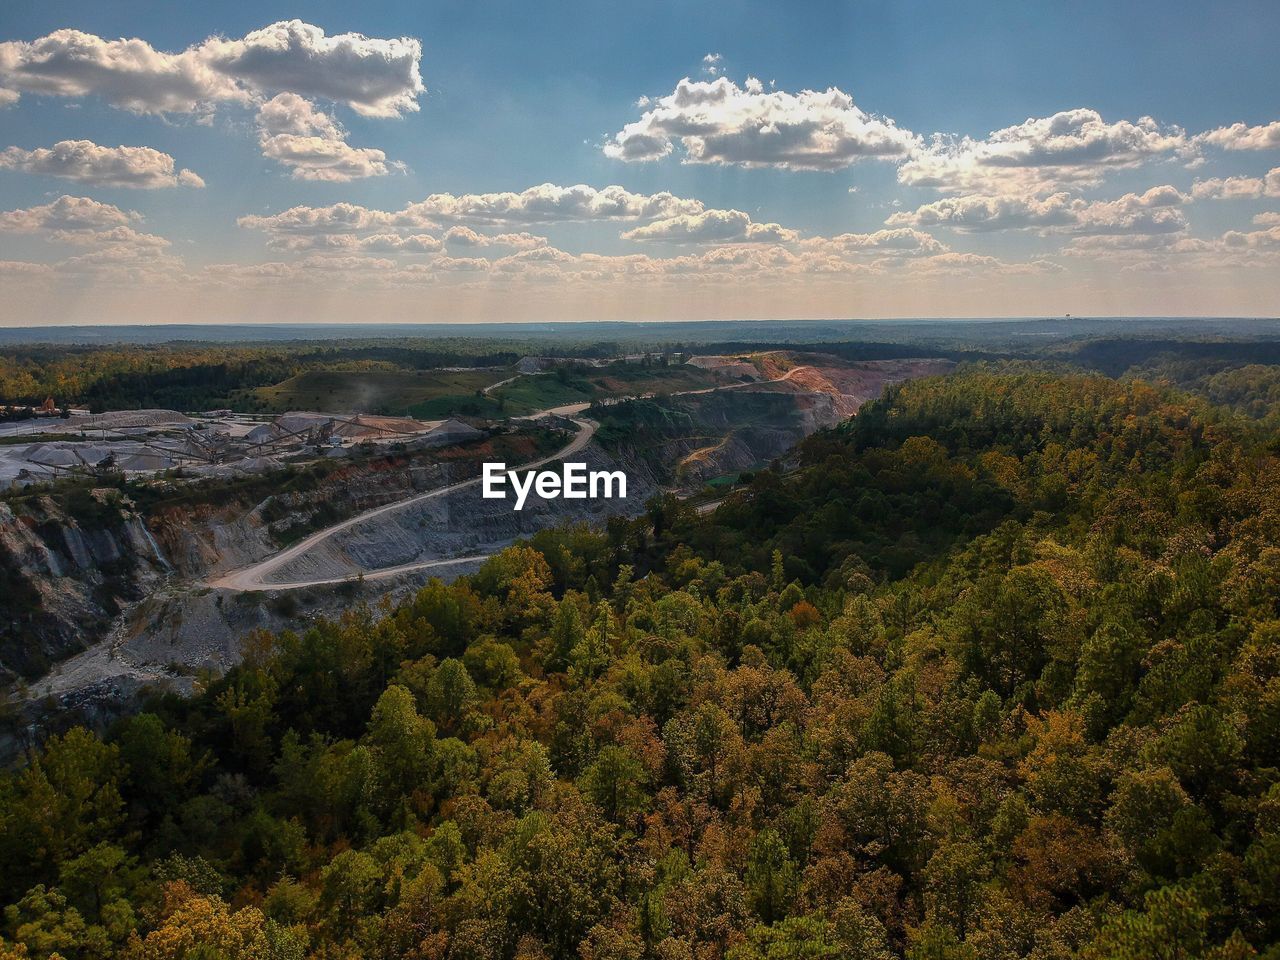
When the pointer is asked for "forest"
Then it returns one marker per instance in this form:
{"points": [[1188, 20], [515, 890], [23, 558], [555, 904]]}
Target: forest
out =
{"points": [[991, 670], [200, 376]]}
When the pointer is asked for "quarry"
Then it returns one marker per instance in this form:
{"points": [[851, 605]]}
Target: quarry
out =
{"points": [[218, 443], [194, 529]]}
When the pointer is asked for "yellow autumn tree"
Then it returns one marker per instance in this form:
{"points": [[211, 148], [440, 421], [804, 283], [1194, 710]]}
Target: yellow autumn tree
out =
{"points": [[193, 922]]}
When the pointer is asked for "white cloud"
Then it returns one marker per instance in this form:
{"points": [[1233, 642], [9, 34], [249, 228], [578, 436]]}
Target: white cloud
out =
{"points": [[66, 213], [7, 99], [347, 243], [115, 237], [1155, 211], [712, 226], [375, 77], [335, 218], [719, 122], [546, 203], [466, 237], [1268, 239], [976, 264], [1239, 136], [312, 144], [128, 73], [87, 162], [981, 212], [1234, 188], [1040, 154], [1111, 244], [1270, 218], [900, 242], [711, 64], [103, 230], [390, 242]]}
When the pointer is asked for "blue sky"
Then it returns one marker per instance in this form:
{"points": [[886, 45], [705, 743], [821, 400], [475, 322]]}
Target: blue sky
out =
{"points": [[1096, 211]]}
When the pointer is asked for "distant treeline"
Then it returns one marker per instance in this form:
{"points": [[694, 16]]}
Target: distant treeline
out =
{"points": [[188, 375], [195, 377]]}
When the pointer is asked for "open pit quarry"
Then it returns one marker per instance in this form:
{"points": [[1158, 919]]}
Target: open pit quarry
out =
{"points": [[190, 585]]}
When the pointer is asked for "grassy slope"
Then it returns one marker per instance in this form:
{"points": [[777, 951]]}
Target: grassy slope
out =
{"points": [[432, 394], [426, 392], [551, 390]]}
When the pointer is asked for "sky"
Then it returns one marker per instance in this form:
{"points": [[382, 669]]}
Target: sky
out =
{"points": [[505, 161]]}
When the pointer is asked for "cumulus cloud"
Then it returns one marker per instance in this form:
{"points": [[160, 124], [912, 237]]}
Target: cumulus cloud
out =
{"points": [[1073, 146], [87, 162], [899, 242], [983, 212], [1240, 136], [375, 77], [466, 237], [1268, 239], [1103, 244], [346, 243], [1271, 218], [312, 144], [1155, 211], [390, 242], [335, 218], [66, 213], [1234, 188], [546, 203], [115, 237], [712, 226], [105, 230], [954, 264], [719, 122]]}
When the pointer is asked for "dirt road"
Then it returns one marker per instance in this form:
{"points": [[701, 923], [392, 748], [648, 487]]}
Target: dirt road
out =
{"points": [[254, 577]]}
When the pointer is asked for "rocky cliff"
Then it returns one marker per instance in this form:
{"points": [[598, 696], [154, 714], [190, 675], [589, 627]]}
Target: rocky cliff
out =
{"points": [[66, 571]]}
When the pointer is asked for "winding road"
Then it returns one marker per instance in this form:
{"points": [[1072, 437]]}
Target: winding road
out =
{"points": [[254, 577]]}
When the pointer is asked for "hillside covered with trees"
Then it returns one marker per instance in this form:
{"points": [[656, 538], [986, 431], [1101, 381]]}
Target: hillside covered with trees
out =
{"points": [[993, 673]]}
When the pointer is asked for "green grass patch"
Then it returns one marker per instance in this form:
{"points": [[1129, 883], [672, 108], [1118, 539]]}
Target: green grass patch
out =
{"points": [[538, 392], [18, 440], [390, 392], [457, 405]]}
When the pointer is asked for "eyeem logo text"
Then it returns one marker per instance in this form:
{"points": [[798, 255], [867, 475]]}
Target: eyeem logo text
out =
{"points": [[575, 482]]}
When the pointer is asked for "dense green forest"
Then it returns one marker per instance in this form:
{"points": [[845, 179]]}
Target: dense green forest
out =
{"points": [[202, 376], [994, 673]]}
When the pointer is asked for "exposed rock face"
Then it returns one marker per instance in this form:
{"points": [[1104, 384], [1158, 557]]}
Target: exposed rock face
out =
{"points": [[691, 438], [462, 523], [695, 437], [121, 605], [64, 577]]}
